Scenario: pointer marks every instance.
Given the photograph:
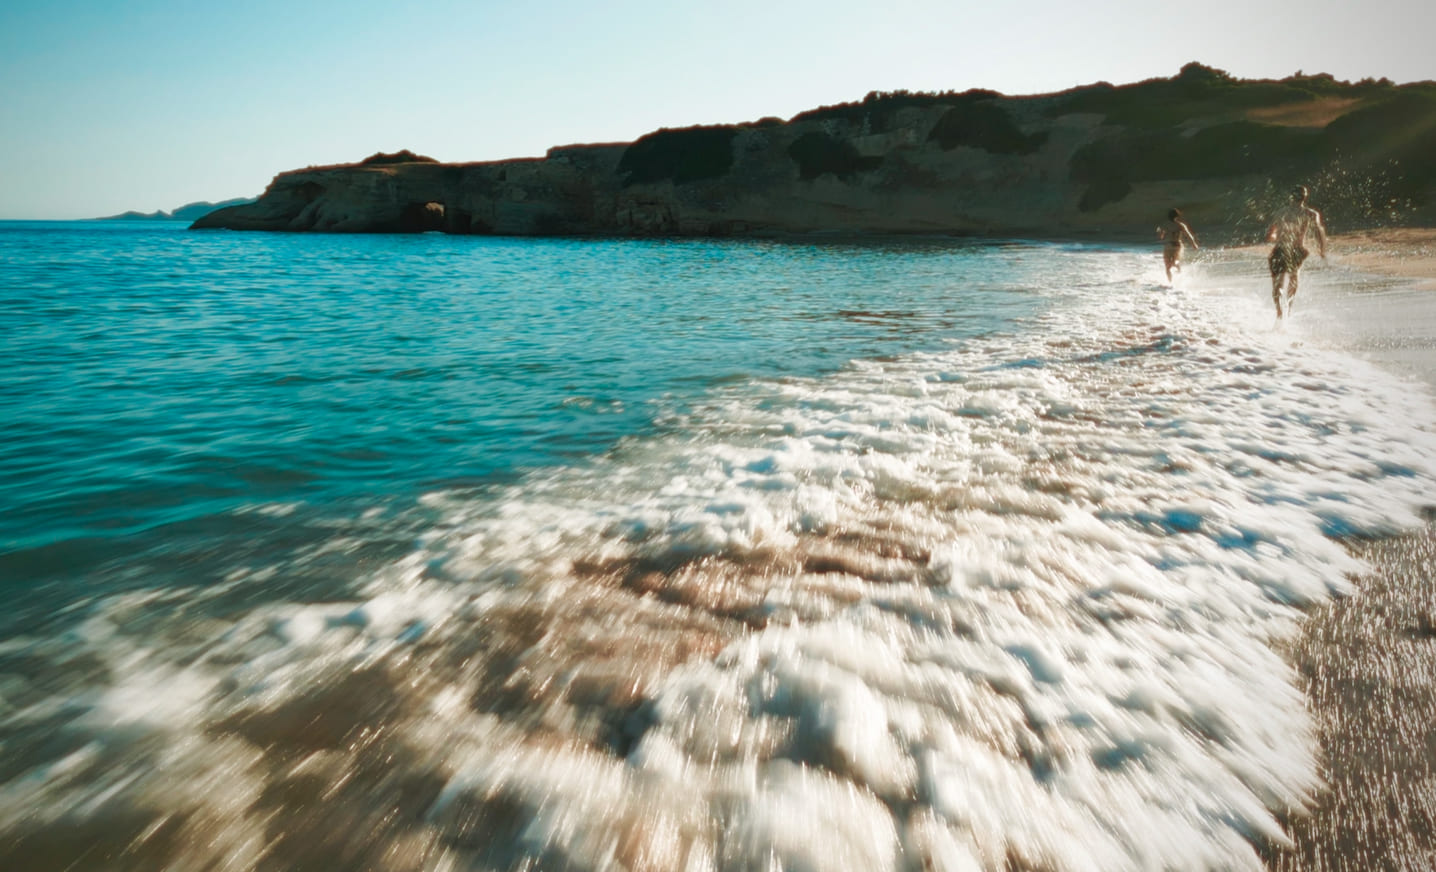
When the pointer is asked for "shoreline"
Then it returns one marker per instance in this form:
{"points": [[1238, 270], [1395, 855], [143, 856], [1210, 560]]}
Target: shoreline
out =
{"points": [[1367, 662], [1403, 253], [1369, 297], [1395, 253]]}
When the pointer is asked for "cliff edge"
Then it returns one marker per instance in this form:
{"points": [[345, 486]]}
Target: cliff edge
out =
{"points": [[1096, 160]]}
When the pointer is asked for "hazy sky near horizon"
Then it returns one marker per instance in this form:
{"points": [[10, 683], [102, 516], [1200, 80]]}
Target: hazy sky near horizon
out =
{"points": [[110, 105]]}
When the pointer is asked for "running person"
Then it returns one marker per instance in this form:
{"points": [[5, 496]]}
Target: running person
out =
{"points": [[1173, 232], [1288, 232]]}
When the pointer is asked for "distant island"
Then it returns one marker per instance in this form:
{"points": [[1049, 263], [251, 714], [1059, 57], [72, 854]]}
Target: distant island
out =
{"points": [[187, 212], [1099, 160]]}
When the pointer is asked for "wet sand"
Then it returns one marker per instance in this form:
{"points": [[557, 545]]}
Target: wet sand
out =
{"points": [[1405, 253], [1368, 662], [1369, 668], [1372, 296]]}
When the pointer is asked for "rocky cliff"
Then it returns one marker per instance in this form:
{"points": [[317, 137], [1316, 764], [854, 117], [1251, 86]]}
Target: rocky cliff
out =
{"points": [[1095, 160]]}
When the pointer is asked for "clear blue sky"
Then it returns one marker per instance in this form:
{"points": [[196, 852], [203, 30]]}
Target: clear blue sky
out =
{"points": [[109, 105]]}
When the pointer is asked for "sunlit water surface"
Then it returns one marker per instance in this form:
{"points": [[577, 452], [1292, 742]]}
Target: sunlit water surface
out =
{"points": [[447, 554]]}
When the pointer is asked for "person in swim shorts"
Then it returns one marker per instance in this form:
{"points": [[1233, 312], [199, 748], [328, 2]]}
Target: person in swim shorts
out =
{"points": [[1288, 234], [1173, 232]]}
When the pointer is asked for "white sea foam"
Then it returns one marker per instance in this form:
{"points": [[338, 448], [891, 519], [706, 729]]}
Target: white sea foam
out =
{"points": [[1010, 603]]}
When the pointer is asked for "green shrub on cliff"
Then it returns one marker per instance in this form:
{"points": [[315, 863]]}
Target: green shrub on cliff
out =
{"points": [[877, 111], [689, 154], [1200, 91], [1398, 130], [1103, 190], [1195, 91], [398, 157], [1110, 165], [818, 154], [981, 123], [1401, 128], [1409, 111]]}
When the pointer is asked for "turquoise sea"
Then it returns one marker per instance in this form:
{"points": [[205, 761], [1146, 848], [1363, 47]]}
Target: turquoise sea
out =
{"points": [[440, 553], [156, 381]]}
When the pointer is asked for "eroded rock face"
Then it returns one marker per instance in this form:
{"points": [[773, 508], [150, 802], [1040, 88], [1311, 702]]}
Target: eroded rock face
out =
{"points": [[1094, 160]]}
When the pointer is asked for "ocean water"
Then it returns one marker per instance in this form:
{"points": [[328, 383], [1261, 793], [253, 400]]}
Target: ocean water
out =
{"points": [[433, 553]]}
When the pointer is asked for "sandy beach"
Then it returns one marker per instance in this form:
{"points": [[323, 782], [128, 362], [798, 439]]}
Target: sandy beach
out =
{"points": [[1368, 662], [1408, 252], [1399, 252]]}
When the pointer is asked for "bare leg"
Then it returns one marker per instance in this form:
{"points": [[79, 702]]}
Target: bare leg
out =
{"points": [[1291, 288], [1276, 291]]}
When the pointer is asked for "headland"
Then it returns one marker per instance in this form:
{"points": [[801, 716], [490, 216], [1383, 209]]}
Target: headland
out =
{"points": [[1099, 161]]}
